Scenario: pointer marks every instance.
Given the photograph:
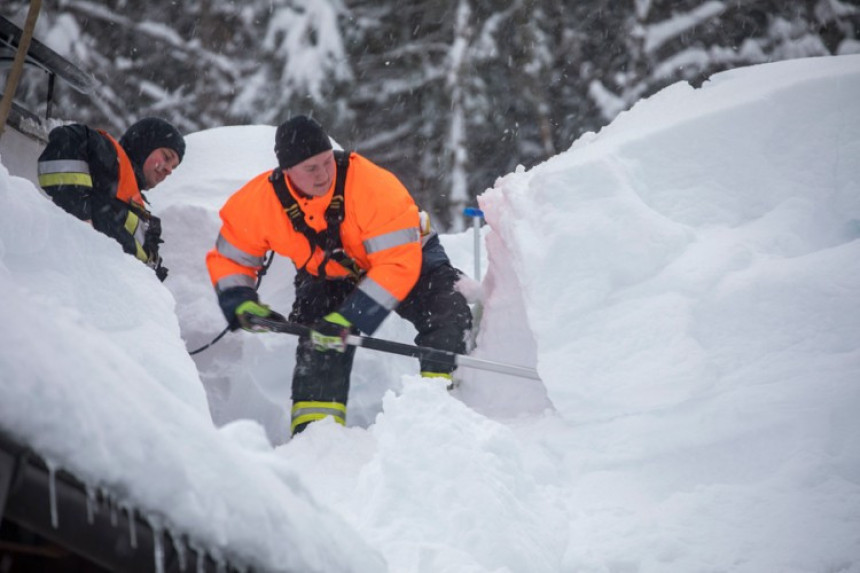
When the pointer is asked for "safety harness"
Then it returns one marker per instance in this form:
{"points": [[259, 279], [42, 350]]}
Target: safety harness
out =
{"points": [[328, 240]]}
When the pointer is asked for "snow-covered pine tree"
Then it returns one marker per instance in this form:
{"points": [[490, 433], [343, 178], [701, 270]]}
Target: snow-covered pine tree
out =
{"points": [[447, 98]]}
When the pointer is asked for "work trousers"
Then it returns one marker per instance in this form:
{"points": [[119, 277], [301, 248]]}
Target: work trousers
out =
{"points": [[434, 306]]}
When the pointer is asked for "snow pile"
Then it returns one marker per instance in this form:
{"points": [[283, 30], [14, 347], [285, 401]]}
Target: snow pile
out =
{"points": [[697, 245], [695, 309], [94, 376]]}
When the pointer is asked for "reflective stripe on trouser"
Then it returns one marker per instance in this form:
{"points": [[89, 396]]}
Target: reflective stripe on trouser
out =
{"points": [[320, 377], [445, 375], [304, 413]]}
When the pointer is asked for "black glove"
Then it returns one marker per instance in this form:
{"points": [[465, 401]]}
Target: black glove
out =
{"points": [[152, 237], [230, 299], [151, 240], [161, 271]]}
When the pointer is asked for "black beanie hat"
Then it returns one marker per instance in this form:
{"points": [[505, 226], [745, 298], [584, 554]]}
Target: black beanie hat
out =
{"points": [[149, 134], [299, 138]]}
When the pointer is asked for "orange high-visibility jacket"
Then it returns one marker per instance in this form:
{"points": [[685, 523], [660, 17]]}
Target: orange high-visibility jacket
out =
{"points": [[380, 231]]}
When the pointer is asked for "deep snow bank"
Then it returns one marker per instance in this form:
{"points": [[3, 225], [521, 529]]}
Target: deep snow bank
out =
{"points": [[695, 204], [690, 280]]}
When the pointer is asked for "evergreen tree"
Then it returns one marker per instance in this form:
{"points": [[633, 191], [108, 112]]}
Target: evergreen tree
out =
{"points": [[449, 95]]}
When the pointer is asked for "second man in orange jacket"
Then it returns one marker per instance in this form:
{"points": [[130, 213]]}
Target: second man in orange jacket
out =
{"points": [[354, 234]]}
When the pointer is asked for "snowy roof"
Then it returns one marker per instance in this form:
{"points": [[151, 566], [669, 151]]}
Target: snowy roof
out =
{"points": [[685, 282]]}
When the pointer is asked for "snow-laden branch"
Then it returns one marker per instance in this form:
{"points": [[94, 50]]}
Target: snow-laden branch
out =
{"points": [[161, 33], [658, 34], [309, 42], [607, 102]]}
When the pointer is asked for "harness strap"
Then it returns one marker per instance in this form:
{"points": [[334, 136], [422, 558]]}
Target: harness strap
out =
{"points": [[327, 240]]}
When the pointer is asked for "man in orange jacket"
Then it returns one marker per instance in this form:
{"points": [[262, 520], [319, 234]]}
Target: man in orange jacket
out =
{"points": [[354, 234]]}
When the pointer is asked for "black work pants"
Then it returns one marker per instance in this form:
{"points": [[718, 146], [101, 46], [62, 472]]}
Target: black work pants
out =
{"points": [[434, 306]]}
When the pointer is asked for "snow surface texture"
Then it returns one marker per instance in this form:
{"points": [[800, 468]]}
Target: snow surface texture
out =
{"points": [[685, 281]]}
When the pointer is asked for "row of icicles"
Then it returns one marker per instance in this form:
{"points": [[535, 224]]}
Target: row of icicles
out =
{"points": [[155, 522]]}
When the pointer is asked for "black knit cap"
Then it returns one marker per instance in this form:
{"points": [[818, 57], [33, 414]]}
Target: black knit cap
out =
{"points": [[299, 138], [149, 134]]}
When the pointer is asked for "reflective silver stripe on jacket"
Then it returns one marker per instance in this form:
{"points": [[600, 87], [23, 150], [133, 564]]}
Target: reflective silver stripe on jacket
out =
{"points": [[392, 239], [60, 172], [379, 295], [64, 166], [139, 232], [236, 254], [234, 280]]}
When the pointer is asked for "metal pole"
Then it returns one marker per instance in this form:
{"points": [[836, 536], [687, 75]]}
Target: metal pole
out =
{"points": [[18, 64], [478, 307], [476, 225], [476, 215], [49, 105]]}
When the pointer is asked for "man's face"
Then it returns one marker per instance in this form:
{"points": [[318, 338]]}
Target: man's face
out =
{"points": [[159, 165], [314, 175]]}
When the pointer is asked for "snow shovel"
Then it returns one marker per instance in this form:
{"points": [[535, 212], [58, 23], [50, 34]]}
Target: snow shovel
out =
{"points": [[420, 352]]}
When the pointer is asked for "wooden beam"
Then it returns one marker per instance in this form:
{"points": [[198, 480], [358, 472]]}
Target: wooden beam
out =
{"points": [[18, 64]]}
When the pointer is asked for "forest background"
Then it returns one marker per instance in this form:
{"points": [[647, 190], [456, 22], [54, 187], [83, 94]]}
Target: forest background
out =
{"points": [[448, 94]]}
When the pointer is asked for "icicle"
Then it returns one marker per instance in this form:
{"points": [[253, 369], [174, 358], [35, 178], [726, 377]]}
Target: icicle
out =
{"points": [[114, 519], [201, 557], [132, 524], [157, 542], [92, 504], [220, 566], [181, 553], [52, 493]]}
